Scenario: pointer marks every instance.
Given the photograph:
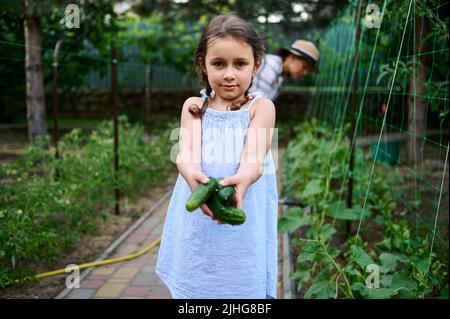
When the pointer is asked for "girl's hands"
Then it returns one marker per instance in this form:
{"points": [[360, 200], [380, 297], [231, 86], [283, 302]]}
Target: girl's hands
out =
{"points": [[193, 180], [240, 183]]}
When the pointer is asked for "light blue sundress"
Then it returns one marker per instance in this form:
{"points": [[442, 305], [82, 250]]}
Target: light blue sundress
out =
{"points": [[200, 259]]}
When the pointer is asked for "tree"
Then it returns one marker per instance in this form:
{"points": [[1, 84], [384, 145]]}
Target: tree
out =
{"points": [[319, 13], [35, 98], [43, 24]]}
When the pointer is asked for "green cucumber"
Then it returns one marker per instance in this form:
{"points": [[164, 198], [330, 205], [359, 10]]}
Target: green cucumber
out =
{"points": [[201, 194], [225, 213], [226, 194]]}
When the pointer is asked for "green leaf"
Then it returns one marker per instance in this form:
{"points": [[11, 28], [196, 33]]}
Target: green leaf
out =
{"points": [[313, 188], [333, 252], [385, 244], [361, 257], [373, 293], [353, 271], [302, 275], [327, 232], [421, 265], [402, 279], [388, 262], [405, 285], [293, 219], [322, 287], [339, 210], [308, 252], [386, 280]]}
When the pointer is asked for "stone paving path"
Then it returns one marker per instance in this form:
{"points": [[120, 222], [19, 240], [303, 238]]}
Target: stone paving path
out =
{"points": [[128, 279], [134, 279]]}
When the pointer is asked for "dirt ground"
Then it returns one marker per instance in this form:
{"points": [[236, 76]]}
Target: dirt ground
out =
{"points": [[90, 247]]}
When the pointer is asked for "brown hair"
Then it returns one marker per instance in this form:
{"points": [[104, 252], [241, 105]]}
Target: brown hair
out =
{"points": [[283, 53], [223, 26]]}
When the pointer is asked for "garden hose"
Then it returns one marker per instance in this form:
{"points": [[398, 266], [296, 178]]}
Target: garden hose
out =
{"points": [[132, 256], [12, 152], [97, 263]]}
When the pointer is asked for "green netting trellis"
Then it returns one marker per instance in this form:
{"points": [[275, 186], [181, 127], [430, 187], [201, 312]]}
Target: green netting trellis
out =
{"points": [[383, 84]]}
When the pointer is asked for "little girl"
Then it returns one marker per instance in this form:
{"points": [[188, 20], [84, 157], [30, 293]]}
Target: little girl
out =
{"points": [[220, 136]]}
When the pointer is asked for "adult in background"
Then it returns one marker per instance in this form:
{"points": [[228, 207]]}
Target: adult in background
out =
{"points": [[300, 59]]}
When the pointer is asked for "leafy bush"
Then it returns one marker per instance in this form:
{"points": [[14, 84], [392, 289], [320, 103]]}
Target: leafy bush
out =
{"points": [[47, 204], [327, 266]]}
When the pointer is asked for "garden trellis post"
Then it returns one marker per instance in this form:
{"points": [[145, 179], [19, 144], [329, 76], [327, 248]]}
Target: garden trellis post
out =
{"points": [[353, 114], [55, 97], [116, 125], [148, 92]]}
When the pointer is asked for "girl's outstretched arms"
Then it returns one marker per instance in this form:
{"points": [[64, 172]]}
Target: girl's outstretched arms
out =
{"points": [[259, 139], [189, 154]]}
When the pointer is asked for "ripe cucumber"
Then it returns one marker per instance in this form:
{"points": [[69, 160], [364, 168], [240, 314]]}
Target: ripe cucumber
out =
{"points": [[226, 194], [201, 194], [225, 213]]}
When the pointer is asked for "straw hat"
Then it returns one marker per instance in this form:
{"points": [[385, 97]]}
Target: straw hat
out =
{"points": [[306, 50]]}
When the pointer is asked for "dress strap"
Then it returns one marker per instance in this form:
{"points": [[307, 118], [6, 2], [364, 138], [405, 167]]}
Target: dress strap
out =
{"points": [[251, 103]]}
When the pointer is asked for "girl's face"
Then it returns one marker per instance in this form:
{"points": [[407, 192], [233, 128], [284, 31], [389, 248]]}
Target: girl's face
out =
{"points": [[230, 66]]}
